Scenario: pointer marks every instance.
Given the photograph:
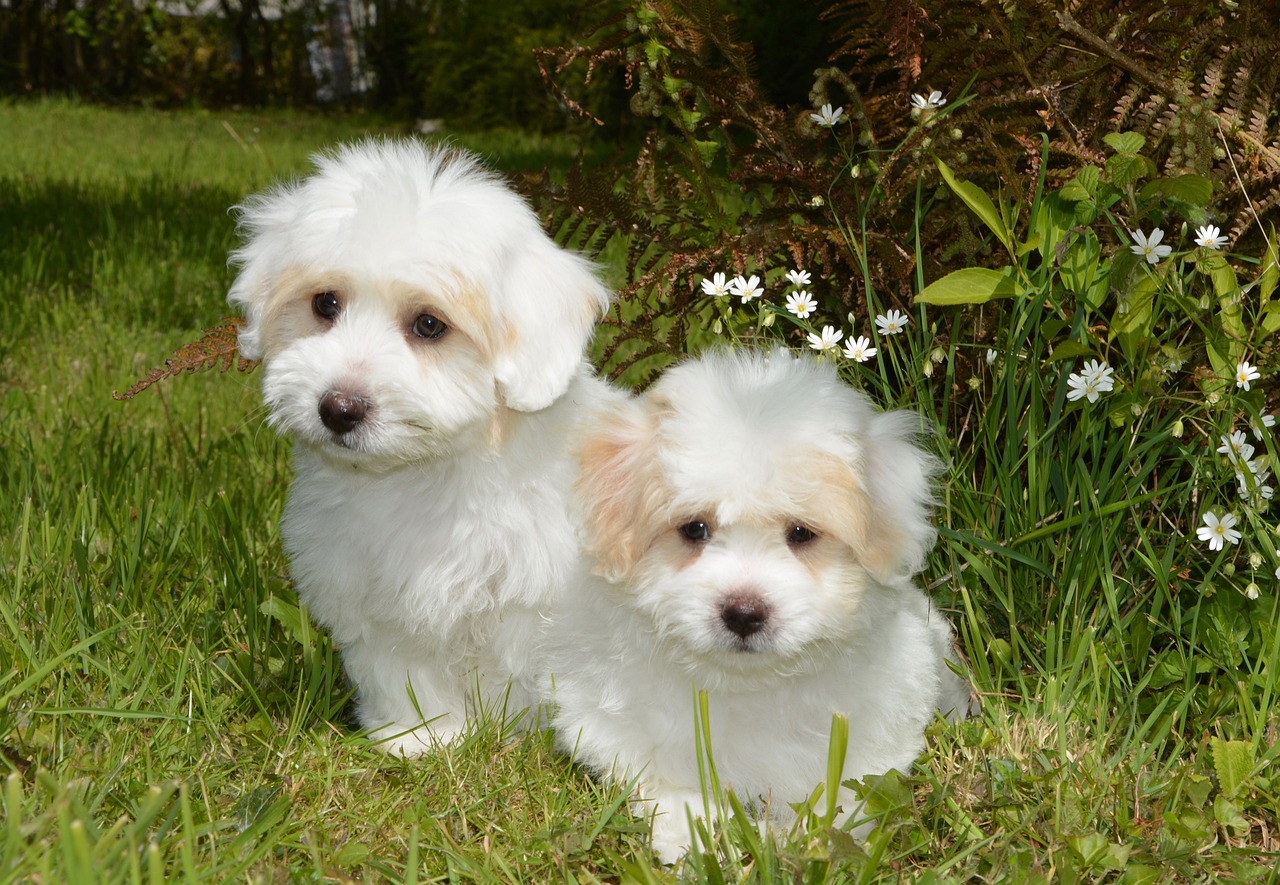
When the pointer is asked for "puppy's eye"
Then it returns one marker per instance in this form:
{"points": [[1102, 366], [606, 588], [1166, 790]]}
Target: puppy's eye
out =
{"points": [[429, 327], [696, 531], [326, 306], [798, 535]]}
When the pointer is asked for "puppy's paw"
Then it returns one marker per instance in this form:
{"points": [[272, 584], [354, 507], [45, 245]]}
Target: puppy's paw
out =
{"points": [[410, 741], [671, 836]]}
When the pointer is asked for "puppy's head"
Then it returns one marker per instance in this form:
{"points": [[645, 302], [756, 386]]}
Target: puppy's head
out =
{"points": [[749, 501], [401, 296]]}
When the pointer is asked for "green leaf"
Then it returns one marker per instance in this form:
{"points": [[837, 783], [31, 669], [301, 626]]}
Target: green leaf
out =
{"points": [[1125, 169], [1070, 350], [1228, 815], [1194, 189], [1125, 142], [974, 197], [970, 285], [1232, 763]]}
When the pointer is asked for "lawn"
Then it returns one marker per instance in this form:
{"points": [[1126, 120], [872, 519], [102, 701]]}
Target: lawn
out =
{"points": [[167, 712]]}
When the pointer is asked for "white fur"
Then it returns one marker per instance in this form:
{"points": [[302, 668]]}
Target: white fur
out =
{"points": [[751, 444], [430, 538]]}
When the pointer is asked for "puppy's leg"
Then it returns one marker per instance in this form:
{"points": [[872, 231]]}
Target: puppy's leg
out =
{"points": [[410, 707], [670, 807]]}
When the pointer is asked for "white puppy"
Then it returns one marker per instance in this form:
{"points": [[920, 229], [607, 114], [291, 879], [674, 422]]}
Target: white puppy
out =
{"points": [[422, 342], [755, 524]]}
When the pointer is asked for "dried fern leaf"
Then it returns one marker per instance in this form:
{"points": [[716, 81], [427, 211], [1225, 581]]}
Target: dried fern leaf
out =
{"points": [[217, 348]]}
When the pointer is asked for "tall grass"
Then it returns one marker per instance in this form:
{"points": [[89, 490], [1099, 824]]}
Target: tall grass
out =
{"points": [[168, 712]]}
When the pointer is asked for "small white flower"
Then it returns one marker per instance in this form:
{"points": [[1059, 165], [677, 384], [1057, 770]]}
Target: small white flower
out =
{"points": [[859, 349], [826, 116], [892, 322], [935, 100], [829, 338], [1236, 448], [1246, 373], [1252, 486], [746, 289], [1278, 573], [1083, 386], [1218, 531], [1100, 374], [801, 304], [798, 278], [1251, 592], [1208, 236], [1149, 247], [715, 285], [991, 357], [1260, 427]]}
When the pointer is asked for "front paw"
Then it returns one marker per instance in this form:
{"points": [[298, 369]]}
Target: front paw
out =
{"points": [[412, 741], [672, 835]]}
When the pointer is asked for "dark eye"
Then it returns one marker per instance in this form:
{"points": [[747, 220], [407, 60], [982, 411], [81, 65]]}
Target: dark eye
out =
{"points": [[326, 305], [696, 531], [429, 327], [798, 534]]}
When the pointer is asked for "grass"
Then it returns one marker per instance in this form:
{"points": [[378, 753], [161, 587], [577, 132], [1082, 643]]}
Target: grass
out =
{"points": [[167, 712]]}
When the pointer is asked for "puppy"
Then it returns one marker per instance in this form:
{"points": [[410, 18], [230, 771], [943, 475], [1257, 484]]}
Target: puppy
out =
{"points": [[422, 343], [754, 524]]}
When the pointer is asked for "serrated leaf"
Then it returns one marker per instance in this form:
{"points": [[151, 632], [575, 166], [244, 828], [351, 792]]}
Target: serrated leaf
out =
{"points": [[977, 200], [1194, 189], [970, 285], [1125, 169], [1125, 142], [1232, 764]]}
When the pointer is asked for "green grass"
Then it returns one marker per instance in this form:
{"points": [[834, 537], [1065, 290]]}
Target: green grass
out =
{"points": [[167, 712]]}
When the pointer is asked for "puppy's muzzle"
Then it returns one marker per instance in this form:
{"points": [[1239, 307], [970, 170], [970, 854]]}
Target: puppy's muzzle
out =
{"points": [[343, 412], [745, 614]]}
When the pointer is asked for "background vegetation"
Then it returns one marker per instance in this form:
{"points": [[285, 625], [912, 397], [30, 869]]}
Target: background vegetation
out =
{"points": [[170, 713]]}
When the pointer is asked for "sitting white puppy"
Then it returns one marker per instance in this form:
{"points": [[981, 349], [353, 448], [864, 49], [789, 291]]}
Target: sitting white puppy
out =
{"points": [[756, 525], [422, 342]]}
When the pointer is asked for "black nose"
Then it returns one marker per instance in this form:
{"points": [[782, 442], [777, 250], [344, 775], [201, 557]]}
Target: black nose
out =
{"points": [[342, 412], [744, 613]]}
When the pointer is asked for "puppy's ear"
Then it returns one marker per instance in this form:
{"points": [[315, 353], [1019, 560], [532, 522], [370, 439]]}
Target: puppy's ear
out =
{"points": [[549, 303], [895, 479], [264, 221], [615, 486]]}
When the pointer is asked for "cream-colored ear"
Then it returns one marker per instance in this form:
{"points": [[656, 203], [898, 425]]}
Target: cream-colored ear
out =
{"points": [[549, 303], [614, 487]]}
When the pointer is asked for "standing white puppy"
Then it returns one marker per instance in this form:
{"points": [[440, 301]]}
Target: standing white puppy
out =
{"points": [[422, 342], [755, 524]]}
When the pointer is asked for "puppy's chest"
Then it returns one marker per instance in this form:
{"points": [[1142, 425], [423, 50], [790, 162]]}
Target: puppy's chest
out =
{"points": [[417, 552]]}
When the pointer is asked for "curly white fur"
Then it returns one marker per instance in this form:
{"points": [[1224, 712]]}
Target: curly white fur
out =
{"points": [[422, 341], [755, 524]]}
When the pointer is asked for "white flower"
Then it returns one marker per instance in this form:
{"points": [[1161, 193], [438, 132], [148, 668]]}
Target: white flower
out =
{"points": [[935, 100], [1260, 426], [827, 117], [1083, 386], [1252, 486], [798, 278], [1246, 373], [829, 338], [1218, 531], [715, 285], [859, 349], [1236, 448], [801, 304], [1208, 236], [746, 289], [1251, 592], [1149, 247], [892, 322], [1100, 374], [991, 357]]}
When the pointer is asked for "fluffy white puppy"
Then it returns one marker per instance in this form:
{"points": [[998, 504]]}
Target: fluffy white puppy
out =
{"points": [[755, 524], [422, 342]]}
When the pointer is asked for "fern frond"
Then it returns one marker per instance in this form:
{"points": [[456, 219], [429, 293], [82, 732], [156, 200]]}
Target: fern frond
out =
{"points": [[217, 348]]}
